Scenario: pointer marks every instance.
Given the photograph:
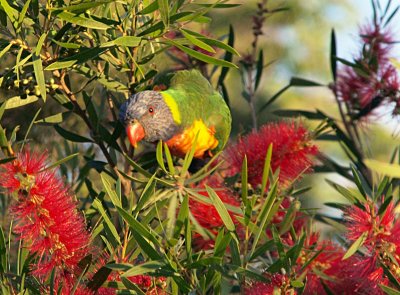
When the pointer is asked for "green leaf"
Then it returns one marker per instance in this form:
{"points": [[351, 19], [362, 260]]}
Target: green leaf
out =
{"points": [[298, 113], [54, 119], [38, 68], [59, 162], [23, 13], [82, 20], [5, 49], [297, 284], [99, 278], [260, 68], [228, 57], [10, 11], [189, 157], [391, 170], [6, 160], [149, 8], [81, 6], [355, 246], [3, 251], [105, 179], [263, 216], [266, 168], [131, 286], [159, 156], [70, 136], [333, 54], [169, 159], [79, 58], [221, 209], [128, 41], [359, 180], [138, 227], [187, 34], [146, 267], [17, 101], [273, 98], [219, 5], [203, 57], [300, 82], [389, 290], [115, 237], [147, 193], [353, 198], [66, 45], [163, 7], [137, 166]]}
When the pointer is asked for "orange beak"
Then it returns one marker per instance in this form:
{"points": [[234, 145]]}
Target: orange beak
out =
{"points": [[135, 133]]}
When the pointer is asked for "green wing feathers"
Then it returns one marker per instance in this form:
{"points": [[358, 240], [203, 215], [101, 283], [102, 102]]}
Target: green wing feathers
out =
{"points": [[197, 99]]}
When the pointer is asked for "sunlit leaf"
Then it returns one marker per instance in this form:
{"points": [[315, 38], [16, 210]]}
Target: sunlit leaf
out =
{"points": [[355, 246], [392, 170]]}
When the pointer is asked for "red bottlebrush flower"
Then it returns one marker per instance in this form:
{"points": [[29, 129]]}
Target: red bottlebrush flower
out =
{"points": [[326, 268], [280, 284], [292, 151], [374, 81], [382, 243], [46, 217]]}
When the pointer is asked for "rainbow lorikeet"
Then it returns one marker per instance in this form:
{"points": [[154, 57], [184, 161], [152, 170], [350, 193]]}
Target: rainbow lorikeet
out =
{"points": [[189, 107]]}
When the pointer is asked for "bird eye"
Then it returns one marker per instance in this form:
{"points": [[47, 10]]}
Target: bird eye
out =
{"points": [[151, 110]]}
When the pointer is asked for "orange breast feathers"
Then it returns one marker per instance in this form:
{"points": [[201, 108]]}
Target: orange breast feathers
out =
{"points": [[181, 144]]}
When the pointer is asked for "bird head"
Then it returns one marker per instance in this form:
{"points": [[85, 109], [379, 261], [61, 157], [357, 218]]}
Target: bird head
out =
{"points": [[147, 116]]}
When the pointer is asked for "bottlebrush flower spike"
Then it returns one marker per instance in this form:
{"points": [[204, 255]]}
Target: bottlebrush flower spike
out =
{"points": [[382, 242], [46, 217], [280, 284], [374, 81], [292, 151]]}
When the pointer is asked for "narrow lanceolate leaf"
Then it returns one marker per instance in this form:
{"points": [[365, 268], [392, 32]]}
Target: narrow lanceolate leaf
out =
{"points": [[333, 55], [17, 101], [71, 136], [54, 119], [159, 156], [82, 20], [391, 170], [221, 209], [10, 11], [23, 13], [114, 234], [260, 68], [146, 267], [267, 165], [5, 50], [355, 246], [82, 6], [38, 68], [196, 41], [105, 179], [3, 252], [79, 58], [128, 41], [203, 57], [59, 162], [163, 7], [300, 82], [389, 291]]}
